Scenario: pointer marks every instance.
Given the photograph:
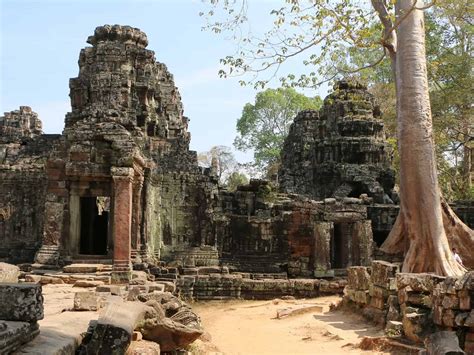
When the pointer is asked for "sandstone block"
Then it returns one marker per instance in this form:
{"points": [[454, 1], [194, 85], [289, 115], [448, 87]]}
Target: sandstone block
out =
{"points": [[143, 347], [9, 273], [416, 326], [358, 277], [382, 271], [86, 301], [21, 302], [448, 318], [170, 334], [14, 334], [88, 283], [418, 282], [115, 326], [465, 299], [470, 320]]}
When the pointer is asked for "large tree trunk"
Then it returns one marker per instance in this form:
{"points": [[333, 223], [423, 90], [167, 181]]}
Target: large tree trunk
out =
{"points": [[419, 229]]}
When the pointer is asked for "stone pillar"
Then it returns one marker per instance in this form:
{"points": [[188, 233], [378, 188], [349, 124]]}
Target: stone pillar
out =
{"points": [[137, 217], [322, 249], [122, 223]]}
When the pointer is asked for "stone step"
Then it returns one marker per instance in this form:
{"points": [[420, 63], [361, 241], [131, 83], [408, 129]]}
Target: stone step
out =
{"points": [[86, 268], [87, 260]]}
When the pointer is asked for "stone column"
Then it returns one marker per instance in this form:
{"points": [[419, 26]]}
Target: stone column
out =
{"points": [[122, 223], [137, 217]]}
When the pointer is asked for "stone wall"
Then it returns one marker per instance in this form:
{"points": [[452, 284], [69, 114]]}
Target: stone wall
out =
{"points": [[413, 305], [261, 230], [23, 152], [218, 284]]}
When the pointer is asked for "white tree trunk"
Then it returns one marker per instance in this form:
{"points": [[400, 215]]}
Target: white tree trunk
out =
{"points": [[419, 229]]}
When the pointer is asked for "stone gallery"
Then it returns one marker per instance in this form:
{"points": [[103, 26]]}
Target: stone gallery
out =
{"points": [[120, 184]]}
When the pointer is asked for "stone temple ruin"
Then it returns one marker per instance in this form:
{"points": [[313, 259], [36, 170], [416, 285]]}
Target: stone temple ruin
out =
{"points": [[118, 198], [120, 186]]}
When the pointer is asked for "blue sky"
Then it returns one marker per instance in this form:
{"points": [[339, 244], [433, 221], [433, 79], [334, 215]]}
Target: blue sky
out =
{"points": [[41, 39]]}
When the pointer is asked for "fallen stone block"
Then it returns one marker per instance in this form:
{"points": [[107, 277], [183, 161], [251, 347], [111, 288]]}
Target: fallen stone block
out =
{"points": [[115, 326], [86, 301], [21, 302], [9, 273], [443, 343], [33, 278], [112, 289], [300, 309], [84, 268], [88, 283], [14, 334], [143, 347], [170, 334]]}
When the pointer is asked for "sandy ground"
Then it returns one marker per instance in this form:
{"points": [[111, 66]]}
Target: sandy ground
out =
{"points": [[251, 327]]}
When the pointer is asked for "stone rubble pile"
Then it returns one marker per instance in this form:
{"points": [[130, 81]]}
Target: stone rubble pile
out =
{"points": [[133, 313], [413, 305]]}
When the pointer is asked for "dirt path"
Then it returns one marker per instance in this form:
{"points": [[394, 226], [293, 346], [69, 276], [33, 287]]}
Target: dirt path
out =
{"points": [[251, 327]]}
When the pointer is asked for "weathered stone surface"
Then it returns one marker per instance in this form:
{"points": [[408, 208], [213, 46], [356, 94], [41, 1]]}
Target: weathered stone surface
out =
{"points": [[113, 331], [339, 151], [14, 334], [88, 283], [170, 334], [358, 277], [86, 301], [9, 273], [382, 272], [443, 343], [418, 282], [143, 347], [416, 326], [85, 268], [21, 302]]}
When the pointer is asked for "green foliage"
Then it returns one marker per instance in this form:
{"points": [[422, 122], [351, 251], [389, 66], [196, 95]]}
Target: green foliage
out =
{"points": [[319, 32], [349, 37], [236, 179], [264, 124], [449, 37]]}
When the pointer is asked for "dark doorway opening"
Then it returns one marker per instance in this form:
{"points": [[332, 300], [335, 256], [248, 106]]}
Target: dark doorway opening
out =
{"points": [[379, 237], [340, 246], [94, 227]]}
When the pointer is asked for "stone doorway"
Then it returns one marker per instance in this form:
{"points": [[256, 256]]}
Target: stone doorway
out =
{"points": [[340, 245], [94, 225]]}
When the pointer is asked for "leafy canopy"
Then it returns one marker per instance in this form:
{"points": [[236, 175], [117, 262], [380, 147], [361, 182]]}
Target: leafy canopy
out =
{"points": [[264, 124]]}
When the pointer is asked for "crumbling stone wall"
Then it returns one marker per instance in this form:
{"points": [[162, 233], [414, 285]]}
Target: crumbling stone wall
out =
{"points": [[259, 229], [23, 152], [414, 305]]}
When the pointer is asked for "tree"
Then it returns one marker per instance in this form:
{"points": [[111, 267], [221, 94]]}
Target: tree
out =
{"points": [[264, 125], [235, 180], [448, 41], [322, 29], [221, 159]]}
